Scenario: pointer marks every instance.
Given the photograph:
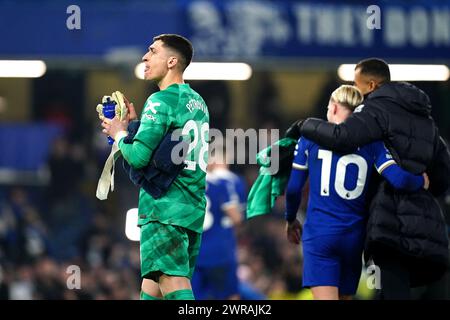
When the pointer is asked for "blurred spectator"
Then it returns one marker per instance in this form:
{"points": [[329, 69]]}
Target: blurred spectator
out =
{"points": [[48, 284], [66, 169], [22, 287], [217, 95], [265, 105]]}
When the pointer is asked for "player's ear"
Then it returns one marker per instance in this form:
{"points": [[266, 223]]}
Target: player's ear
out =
{"points": [[335, 108], [172, 62], [373, 85]]}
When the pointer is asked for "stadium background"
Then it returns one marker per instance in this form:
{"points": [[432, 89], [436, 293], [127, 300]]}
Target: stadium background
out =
{"points": [[53, 150]]}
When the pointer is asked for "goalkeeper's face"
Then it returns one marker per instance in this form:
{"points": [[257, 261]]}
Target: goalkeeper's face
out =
{"points": [[156, 61]]}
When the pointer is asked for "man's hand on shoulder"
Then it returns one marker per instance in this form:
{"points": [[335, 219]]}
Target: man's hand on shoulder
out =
{"points": [[294, 131]]}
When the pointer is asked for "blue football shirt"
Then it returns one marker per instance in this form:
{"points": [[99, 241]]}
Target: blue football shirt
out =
{"points": [[338, 185], [218, 246]]}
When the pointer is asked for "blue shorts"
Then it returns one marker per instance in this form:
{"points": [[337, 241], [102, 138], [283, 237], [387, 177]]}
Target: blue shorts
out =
{"points": [[334, 260], [215, 282]]}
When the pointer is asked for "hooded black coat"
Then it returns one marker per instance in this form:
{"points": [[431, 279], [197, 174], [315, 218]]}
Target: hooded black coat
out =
{"points": [[409, 225]]}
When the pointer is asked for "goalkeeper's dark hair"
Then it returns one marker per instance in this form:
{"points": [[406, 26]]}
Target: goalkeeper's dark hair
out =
{"points": [[376, 68], [180, 44]]}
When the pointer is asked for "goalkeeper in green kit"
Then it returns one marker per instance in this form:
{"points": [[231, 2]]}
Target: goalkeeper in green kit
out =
{"points": [[171, 225]]}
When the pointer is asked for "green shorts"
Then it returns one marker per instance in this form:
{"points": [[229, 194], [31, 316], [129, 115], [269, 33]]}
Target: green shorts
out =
{"points": [[168, 249]]}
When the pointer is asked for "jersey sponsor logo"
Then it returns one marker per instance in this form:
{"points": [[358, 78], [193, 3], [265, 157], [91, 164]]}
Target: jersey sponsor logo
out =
{"points": [[359, 108], [151, 106], [148, 117]]}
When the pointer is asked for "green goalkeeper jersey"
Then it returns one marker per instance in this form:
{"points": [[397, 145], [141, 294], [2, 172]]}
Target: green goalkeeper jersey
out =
{"points": [[176, 107]]}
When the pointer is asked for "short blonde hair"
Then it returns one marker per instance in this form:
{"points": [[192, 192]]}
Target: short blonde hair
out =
{"points": [[347, 96]]}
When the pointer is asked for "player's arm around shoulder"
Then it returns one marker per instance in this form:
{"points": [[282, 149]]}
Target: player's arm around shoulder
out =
{"points": [[363, 126], [392, 172]]}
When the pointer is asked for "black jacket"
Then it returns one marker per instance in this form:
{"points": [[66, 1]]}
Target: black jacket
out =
{"points": [[411, 225], [157, 177]]}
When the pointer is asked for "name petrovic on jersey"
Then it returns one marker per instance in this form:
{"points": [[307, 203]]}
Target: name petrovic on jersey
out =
{"points": [[195, 104]]}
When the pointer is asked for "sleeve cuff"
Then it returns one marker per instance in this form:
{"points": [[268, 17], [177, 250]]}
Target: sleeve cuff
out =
{"points": [[300, 166], [119, 135], [385, 165]]}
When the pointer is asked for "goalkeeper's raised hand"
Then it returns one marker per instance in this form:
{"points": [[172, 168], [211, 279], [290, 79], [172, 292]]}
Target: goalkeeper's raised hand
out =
{"points": [[115, 128]]}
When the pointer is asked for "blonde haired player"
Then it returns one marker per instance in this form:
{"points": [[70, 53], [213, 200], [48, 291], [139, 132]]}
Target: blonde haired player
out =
{"points": [[334, 229]]}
